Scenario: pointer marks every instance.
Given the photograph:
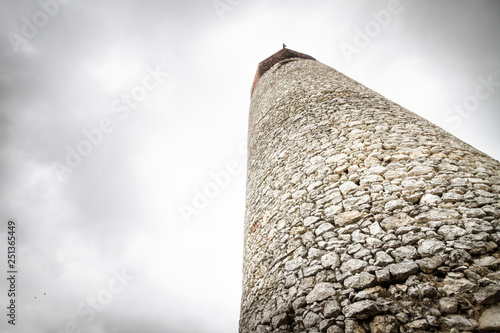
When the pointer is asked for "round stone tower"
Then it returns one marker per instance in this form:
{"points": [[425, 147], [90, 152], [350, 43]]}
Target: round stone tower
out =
{"points": [[362, 216]]}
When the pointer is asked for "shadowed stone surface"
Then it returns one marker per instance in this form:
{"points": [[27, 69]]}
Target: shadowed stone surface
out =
{"points": [[490, 320]]}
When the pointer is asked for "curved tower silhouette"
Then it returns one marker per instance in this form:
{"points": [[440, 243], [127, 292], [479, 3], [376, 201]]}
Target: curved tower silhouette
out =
{"points": [[361, 215]]}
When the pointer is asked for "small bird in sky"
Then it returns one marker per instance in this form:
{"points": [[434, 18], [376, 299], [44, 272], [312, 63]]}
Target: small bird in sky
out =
{"points": [[35, 297], [45, 294], [284, 45]]}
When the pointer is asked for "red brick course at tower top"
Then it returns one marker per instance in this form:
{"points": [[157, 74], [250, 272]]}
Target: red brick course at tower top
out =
{"points": [[266, 64]]}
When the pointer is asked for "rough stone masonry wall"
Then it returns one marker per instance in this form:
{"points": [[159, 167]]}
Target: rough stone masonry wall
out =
{"points": [[362, 216]]}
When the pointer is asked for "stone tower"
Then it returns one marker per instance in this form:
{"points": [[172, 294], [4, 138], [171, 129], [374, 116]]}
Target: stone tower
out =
{"points": [[362, 216]]}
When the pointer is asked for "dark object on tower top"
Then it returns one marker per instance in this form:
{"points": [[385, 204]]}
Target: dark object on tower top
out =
{"points": [[282, 54]]}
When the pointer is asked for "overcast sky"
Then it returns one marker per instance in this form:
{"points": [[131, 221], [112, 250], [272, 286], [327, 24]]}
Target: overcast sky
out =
{"points": [[118, 118]]}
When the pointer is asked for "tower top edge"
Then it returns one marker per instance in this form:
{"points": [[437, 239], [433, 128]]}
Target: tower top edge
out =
{"points": [[269, 62]]}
